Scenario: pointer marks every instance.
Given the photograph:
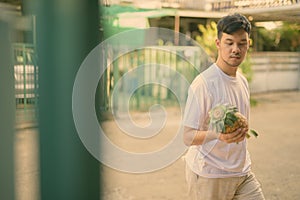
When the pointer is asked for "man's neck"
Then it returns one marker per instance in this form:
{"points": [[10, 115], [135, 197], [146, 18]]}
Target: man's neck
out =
{"points": [[229, 70]]}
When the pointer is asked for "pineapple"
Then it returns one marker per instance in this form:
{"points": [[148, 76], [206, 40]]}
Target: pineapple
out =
{"points": [[226, 119]]}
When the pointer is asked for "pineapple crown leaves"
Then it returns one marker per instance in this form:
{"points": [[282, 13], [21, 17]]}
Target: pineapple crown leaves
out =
{"points": [[218, 113], [222, 114]]}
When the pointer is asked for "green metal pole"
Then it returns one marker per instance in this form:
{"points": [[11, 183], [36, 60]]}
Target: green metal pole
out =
{"points": [[66, 32], [141, 77], [137, 53], [116, 72], [7, 116], [24, 63]]}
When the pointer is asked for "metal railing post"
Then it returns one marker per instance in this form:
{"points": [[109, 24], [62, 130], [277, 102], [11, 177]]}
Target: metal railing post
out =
{"points": [[7, 116], [66, 32], [24, 62]]}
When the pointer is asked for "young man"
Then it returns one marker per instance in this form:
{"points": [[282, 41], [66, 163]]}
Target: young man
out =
{"points": [[218, 165]]}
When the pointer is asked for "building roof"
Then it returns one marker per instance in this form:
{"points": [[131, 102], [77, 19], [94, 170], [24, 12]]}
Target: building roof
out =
{"points": [[289, 13]]}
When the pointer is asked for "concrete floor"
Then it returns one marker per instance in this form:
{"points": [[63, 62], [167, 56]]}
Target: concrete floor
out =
{"points": [[274, 154]]}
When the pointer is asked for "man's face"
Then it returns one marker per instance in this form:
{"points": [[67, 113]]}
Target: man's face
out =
{"points": [[232, 49]]}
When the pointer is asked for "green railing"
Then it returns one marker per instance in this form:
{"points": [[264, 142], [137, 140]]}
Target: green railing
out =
{"points": [[26, 82], [185, 60], [156, 64]]}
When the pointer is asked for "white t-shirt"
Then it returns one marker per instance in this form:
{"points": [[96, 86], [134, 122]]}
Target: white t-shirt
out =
{"points": [[214, 158]]}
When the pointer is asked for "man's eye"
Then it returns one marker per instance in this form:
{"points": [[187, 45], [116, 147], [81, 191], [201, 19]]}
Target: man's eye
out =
{"points": [[229, 43]]}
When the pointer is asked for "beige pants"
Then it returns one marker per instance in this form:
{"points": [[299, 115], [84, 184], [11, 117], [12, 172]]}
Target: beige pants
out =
{"points": [[235, 188]]}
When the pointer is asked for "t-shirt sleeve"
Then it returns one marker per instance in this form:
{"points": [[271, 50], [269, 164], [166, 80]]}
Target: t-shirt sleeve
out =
{"points": [[196, 110]]}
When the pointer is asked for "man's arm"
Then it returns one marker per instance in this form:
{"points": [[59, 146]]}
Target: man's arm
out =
{"points": [[193, 136]]}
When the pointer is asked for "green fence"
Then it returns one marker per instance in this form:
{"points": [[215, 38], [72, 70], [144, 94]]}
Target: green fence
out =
{"points": [[188, 61], [26, 82]]}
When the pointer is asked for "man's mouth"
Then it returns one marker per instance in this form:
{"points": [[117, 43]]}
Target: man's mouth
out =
{"points": [[236, 56]]}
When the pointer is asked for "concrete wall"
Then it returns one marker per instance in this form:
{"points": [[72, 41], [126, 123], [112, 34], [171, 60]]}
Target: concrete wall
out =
{"points": [[275, 71]]}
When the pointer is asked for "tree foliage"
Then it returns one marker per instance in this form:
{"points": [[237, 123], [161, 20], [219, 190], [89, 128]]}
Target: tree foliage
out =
{"points": [[207, 39], [282, 38]]}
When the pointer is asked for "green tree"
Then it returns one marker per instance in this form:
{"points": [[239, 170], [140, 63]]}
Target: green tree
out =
{"points": [[289, 37], [207, 38], [283, 38]]}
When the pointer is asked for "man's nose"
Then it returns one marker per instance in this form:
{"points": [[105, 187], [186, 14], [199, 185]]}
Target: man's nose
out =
{"points": [[236, 48]]}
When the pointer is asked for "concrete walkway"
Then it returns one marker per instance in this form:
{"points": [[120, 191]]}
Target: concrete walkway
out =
{"points": [[274, 154]]}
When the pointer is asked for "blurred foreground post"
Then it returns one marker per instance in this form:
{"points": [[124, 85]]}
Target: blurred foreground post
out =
{"points": [[66, 32], [7, 115]]}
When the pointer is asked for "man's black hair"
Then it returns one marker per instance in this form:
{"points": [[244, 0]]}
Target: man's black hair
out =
{"points": [[232, 23]]}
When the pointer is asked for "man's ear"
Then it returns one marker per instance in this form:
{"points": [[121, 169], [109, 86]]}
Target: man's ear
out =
{"points": [[249, 43], [217, 41]]}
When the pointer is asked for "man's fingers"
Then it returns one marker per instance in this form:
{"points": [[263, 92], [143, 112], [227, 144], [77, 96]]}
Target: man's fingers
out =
{"points": [[236, 136]]}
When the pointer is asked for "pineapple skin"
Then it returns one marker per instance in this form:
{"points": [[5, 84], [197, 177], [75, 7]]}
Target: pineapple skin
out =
{"points": [[239, 122]]}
